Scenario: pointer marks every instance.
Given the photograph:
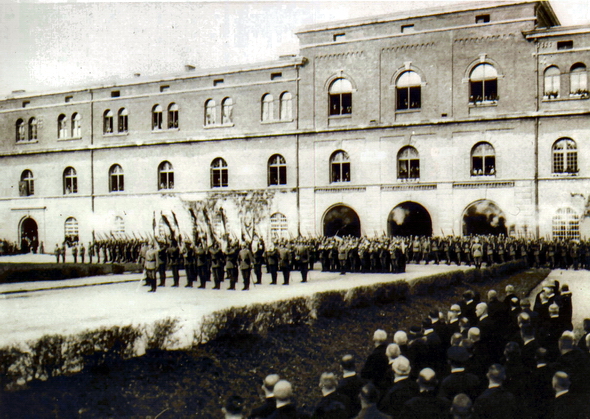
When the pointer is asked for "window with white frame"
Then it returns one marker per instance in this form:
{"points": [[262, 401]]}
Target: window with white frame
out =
{"points": [[123, 120], [408, 163], [286, 106], [219, 173], [173, 116], [566, 224], [116, 179], [552, 82], [279, 227], [26, 185], [340, 167], [340, 95], [108, 122], [165, 176], [210, 113], [408, 89], [156, 118], [62, 127], [20, 131], [32, 129], [70, 181], [267, 112], [71, 234], [483, 160], [277, 170], [483, 82], [227, 110], [76, 125], [579, 80], [565, 156]]}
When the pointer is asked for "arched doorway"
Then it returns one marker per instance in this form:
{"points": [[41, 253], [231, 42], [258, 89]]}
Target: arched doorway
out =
{"points": [[342, 221], [409, 219], [484, 217], [29, 235]]}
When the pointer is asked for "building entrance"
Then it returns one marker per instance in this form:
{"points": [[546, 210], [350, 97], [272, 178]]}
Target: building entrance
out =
{"points": [[484, 217], [29, 237], [342, 221], [409, 219]]}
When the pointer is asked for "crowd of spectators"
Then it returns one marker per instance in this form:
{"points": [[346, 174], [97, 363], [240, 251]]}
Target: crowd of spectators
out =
{"points": [[485, 358]]}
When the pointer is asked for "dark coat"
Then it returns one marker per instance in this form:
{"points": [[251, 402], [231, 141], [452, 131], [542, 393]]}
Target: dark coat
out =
{"points": [[460, 382], [371, 412], [351, 387], [495, 403], [570, 406], [426, 406], [288, 411], [332, 406], [264, 411], [393, 401], [376, 365]]}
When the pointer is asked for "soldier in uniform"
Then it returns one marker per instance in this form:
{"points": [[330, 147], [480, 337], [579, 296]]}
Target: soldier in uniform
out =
{"points": [[435, 251], [272, 262], [57, 252], [384, 257], [258, 253], [426, 249], [302, 256], [231, 264], [162, 263], [285, 261], [82, 252], [416, 250], [151, 266], [477, 252], [188, 253], [246, 260], [217, 262], [202, 264], [173, 260]]}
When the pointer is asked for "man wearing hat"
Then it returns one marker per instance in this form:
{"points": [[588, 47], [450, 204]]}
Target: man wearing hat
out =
{"points": [[350, 385], [333, 405], [233, 408], [270, 402], [377, 363], [285, 407], [427, 405], [403, 388], [369, 396], [459, 381]]}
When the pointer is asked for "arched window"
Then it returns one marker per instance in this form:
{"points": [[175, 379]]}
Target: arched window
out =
{"points": [[173, 116], [483, 82], [566, 224], [279, 227], [76, 125], [340, 167], [119, 227], [32, 129], [156, 118], [20, 130], [286, 107], [227, 110], [408, 163], [71, 230], [408, 91], [267, 108], [565, 156], [210, 113], [108, 122], [165, 175], [483, 160], [62, 127], [26, 186], [578, 80], [123, 120], [219, 173], [116, 179], [552, 82], [70, 181], [277, 170], [340, 93]]}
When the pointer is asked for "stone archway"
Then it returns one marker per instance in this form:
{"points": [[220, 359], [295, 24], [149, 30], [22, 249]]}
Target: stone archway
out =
{"points": [[29, 235], [484, 217], [342, 220], [409, 219]]}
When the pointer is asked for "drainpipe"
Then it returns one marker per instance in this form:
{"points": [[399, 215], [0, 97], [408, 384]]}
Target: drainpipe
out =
{"points": [[297, 154], [537, 122]]}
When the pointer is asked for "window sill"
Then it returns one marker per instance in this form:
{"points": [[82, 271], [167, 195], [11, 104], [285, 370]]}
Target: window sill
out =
{"points": [[483, 176], [27, 142], [565, 174], [340, 182], [69, 139], [166, 190], [278, 121], [406, 111], [409, 180], [218, 126], [116, 134], [219, 187], [70, 193], [172, 129], [346, 116], [565, 99], [278, 185], [116, 191], [483, 104]]}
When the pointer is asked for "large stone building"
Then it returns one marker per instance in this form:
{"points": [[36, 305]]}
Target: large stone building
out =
{"points": [[444, 121]]}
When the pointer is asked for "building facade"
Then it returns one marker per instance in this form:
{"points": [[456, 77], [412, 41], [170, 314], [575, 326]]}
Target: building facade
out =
{"points": [[446, 121]]}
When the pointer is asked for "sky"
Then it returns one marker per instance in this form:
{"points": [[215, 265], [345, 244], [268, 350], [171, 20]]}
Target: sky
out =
{"points": [[47, 46]]}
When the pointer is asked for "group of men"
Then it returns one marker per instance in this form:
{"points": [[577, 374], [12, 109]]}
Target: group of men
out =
{"points": [[499, 358]]}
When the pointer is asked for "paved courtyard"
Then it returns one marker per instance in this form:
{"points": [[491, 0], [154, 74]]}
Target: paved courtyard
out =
{"points": [[30, 310]]}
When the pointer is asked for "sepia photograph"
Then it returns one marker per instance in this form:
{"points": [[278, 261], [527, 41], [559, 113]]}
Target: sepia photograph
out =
{"points": [[295, 210]]}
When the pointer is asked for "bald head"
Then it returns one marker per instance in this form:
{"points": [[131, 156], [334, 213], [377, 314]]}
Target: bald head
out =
{"points": [[270, 381]]}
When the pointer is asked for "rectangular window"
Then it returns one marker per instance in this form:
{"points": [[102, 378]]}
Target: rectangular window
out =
{"points": [[164, 88], [408, 29], [563, 45], [276, 76], [115, 93], [69, 99], [482, 19], [217, 82], [339, 37]]}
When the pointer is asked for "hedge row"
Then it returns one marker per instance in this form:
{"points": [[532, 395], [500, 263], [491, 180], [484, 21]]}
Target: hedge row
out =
{"points": [[30, 272], [54, 355]]}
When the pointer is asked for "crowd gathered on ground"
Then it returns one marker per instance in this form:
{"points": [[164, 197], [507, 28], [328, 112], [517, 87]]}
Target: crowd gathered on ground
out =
{"points": [[487, 357], [231, 259]]}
